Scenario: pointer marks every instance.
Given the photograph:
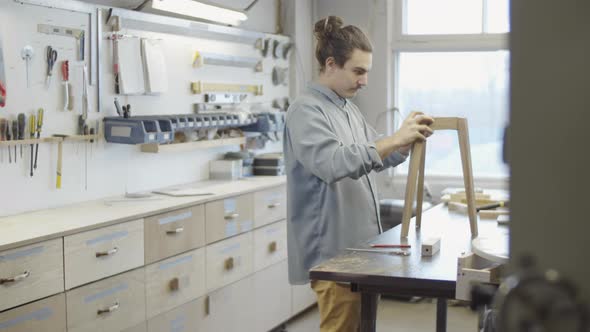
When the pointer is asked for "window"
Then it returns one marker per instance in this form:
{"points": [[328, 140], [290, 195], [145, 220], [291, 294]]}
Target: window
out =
{"points": [[452, 60]]}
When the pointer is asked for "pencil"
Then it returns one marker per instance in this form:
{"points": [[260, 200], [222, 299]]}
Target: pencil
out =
{"points": [[390, 246]]}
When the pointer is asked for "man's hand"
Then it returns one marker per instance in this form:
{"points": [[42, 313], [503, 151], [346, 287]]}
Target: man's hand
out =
{"points": [[416, 125], [414, 128]]}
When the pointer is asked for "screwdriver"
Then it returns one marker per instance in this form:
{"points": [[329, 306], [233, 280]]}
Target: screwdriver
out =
{"points": [[2, 134], [39, 126], [8, 136], [22, 122], [15, 135], [32, 126]]}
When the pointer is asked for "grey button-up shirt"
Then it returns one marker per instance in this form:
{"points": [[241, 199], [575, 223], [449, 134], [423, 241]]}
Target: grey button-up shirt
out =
{"points": [[331, 191]]}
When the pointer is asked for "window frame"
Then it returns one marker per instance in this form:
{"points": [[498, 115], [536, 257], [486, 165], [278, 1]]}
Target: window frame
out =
{"points": [[405, 43]]}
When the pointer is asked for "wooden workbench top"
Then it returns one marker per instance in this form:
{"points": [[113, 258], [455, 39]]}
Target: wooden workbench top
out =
{"points": [[35, 226]]}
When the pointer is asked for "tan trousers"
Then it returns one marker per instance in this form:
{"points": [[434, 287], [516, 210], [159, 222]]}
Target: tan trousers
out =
{"points": [[340, 309]]}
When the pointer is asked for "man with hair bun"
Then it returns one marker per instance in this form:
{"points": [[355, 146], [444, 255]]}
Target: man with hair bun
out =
{"points": [[331, 156]]}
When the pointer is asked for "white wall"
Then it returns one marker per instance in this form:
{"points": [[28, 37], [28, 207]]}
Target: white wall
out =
{"points": [[113, 169]]}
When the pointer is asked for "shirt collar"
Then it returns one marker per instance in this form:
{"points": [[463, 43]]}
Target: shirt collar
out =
{"points": [[329, 93]]}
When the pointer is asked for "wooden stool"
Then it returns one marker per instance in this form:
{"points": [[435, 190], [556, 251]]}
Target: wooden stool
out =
{"points": [[416, 172]]}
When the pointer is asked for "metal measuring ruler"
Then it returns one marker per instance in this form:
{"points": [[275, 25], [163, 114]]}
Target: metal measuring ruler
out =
{"points": [[77, 34]]}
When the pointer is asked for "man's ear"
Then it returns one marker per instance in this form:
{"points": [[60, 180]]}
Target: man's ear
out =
{"points": [[330, 63]]}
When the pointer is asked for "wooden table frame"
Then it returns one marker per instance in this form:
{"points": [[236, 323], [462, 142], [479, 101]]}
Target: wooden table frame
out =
{"points": [[416, 173]]}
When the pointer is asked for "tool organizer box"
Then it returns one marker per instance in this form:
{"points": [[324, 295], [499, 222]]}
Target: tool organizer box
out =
{"points": [[161, 128]]}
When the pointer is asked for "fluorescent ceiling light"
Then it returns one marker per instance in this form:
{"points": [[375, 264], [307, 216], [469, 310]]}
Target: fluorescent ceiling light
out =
{"points": [[200, 10]]}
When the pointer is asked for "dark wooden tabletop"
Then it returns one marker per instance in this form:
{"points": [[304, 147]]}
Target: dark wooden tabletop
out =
{"points": [[413, 275]]}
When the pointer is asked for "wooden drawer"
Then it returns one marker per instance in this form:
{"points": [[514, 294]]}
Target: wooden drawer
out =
{"points": [[113, 304], [229, 261], [302, 298], [270, 245], [44, 315], [230, 308], [270, 205], [186, 318], [103, 252], [229, 217], [174, 232], [31, 272], [175, 281], [272, 303]]}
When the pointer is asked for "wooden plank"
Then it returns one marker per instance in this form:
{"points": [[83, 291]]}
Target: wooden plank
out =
{"points": [[179, 147], [467, 174], [420, 196], [445, 124], [411, 187], [201, 87]]}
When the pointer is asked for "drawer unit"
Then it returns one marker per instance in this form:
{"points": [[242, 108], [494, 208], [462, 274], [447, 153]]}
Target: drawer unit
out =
{"points": [[175, 232], [31, 272], [229, 261], [270, 205], [229, 217], [103, 252], [44, 315], [302, 297], [231, 308], [186, 318], [273, 295], [113, 304], [270, 245], [175, 281]]}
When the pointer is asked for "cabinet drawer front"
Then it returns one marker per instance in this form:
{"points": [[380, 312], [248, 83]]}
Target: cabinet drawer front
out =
{"points": [[175, 281], [270, 245], [231, 308], [229, 217], [103, 252], [45, 315], [31, 272], [302, 297], [270, 205], [273, 294], [112, 304], [174, 232], [186, 318], [229, 261]]}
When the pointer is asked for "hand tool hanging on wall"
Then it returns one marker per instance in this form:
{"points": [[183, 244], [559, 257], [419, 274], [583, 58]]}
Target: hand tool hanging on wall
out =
{"points": [[32, 129], [38, 130], [68, 32], [8, 136], [3, 135], [15, 135], [59, 160], [2, 77], [27, 54], [22, 122], [51, 57], [65, 73]]}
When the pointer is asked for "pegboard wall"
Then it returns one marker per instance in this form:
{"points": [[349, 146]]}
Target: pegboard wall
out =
{"points": [[104, 169]]}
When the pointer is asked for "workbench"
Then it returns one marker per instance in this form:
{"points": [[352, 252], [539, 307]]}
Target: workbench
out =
{"points": [[372, 274]]}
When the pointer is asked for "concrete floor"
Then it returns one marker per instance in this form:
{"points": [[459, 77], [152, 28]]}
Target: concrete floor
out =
{"points": [[398, 316]]}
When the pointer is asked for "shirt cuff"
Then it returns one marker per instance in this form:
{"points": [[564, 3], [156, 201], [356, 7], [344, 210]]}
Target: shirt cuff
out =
{"points": [[374, 155]]}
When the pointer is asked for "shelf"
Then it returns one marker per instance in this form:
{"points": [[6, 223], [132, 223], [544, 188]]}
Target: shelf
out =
{"points": [[32, 141], [175, 147]]}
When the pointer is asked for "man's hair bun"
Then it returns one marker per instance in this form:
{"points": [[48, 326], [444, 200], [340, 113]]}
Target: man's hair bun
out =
{"points": [[327, 27]]}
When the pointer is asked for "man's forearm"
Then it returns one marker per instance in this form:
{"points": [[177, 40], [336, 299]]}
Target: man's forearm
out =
{"points": [[386, 146]]}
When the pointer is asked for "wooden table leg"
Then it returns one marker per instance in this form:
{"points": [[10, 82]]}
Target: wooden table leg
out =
{"points": [[441, 315], [415, 157], [420, 194], [368, 312]]}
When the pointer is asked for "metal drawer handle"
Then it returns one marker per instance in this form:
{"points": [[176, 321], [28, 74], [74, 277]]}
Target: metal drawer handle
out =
{"points": [[272, 247], [15, 278], [175, 231], [229, 263], [231, 216], [274, 205], [107, 253], [109, 309], [174, 284]]}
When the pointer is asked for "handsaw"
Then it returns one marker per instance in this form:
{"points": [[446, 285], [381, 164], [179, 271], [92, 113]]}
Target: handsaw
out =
{"points": [[2, 77]]}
